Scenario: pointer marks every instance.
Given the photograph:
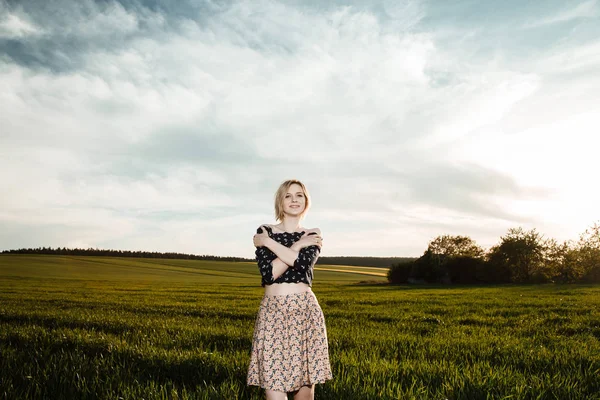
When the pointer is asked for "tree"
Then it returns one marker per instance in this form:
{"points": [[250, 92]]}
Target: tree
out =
{"points": [[561, 260], [465, 269], [521, 254], [588, 253], [455, 246], [432, 266]]}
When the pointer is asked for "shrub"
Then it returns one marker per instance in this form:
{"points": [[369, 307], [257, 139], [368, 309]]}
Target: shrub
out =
{"points": [[465, 269], [399, 273]]}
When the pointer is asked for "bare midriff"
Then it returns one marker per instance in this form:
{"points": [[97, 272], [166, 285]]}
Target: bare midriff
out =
{"points": [[277, 289]]}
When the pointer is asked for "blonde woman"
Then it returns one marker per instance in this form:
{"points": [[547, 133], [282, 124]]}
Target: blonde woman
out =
{"points": [[289, 346]]}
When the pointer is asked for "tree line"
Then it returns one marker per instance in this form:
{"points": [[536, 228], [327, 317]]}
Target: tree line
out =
{"points": [[383, 262], [120, 253], [521, 256]]}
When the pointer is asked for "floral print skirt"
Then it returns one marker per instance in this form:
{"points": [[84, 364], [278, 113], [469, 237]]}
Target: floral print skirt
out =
{"points": [[289, 345]]}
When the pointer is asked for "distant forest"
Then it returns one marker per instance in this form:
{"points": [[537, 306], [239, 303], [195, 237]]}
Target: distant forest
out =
{"points": [[383, 262]]}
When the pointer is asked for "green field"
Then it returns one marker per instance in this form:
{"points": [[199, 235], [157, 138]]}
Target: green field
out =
{"points": [[100, 327]]}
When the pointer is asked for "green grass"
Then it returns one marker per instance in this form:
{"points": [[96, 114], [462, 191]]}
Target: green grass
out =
{"points": [[95, 327], [147, 270]]}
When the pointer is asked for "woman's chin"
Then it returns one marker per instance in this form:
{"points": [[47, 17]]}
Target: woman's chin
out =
{"points": [[294, 210]]}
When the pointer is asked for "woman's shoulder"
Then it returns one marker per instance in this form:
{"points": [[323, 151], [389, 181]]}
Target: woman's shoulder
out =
{"points": [[260, 228], [307, 230], [316, 230]]}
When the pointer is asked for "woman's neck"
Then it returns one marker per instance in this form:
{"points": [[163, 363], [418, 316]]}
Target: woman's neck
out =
{"points": [[290, 225]]}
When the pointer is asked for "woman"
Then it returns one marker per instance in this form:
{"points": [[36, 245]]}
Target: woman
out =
{"points": [[289, 347]]}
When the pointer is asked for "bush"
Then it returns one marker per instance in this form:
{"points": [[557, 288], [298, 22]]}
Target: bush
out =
{"points": [[464, 269], [399, 273]]}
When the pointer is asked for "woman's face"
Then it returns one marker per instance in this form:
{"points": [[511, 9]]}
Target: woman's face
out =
{"points": [[294, 200]]}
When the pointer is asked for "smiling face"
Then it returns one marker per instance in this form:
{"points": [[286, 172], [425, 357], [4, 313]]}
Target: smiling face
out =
{"points": [[292, 199]]}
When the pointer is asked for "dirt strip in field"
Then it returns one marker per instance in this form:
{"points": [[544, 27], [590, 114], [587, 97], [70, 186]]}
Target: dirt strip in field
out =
{"points": [[352, 271]]}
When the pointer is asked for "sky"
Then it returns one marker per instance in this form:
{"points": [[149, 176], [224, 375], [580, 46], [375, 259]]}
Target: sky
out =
{"points": [[168, 126]]}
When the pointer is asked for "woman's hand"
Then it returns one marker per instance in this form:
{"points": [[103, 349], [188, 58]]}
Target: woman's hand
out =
{"points": [[310, 239], [261, 238]]}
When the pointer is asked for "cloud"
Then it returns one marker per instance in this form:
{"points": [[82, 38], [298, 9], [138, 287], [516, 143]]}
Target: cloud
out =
{"points": [[59, 42], [166, 126], [585, 10], [13, 26]]}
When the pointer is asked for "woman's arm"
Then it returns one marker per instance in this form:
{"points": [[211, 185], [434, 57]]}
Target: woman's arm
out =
{"points": [[264, 259], [307, 256], [279, 266], [286, 256], [274, 258], [269, 265]]}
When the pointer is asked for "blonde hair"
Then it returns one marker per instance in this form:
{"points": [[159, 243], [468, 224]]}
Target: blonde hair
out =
{"points": [[280, 196]]}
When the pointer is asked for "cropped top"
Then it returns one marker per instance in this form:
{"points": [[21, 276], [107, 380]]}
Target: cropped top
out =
{"points": [[301, 271]]}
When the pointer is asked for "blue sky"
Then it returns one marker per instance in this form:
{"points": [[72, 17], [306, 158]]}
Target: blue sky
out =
{"points": [[162, 126]]}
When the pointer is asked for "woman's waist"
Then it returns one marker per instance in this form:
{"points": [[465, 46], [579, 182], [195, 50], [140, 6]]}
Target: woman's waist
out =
{"points": [[277, 289]]}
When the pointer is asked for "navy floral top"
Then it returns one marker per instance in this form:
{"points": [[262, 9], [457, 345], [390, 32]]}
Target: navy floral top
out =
{"points": [[301, 271]]}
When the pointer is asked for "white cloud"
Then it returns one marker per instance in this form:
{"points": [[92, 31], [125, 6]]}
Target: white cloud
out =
{"points": [[13, 26], [587, 9], [482, 100], [571, 60], [178, 138], [405, 13]]}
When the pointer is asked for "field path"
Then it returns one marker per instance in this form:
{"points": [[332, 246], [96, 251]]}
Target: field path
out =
{"points": [[356, 271]]}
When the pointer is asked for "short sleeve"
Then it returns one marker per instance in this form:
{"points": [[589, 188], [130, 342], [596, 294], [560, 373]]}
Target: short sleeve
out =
{"points": [[307, 257], [264, 258]]}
